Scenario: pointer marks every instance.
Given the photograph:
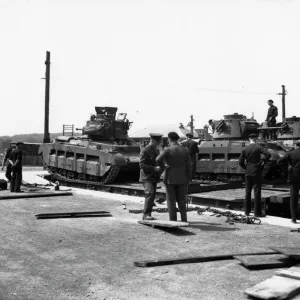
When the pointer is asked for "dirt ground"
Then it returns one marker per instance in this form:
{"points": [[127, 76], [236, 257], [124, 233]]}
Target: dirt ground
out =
{"points": [[93, 258]]}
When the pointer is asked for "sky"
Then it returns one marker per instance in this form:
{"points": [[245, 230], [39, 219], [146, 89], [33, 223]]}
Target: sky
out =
{"points": [[158, 61]]}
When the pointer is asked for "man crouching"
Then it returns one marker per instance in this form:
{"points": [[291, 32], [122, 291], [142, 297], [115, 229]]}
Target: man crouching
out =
{"points": [[150, 173]]}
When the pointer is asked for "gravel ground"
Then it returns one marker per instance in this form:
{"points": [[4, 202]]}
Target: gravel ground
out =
{"points": [[92, 258]]}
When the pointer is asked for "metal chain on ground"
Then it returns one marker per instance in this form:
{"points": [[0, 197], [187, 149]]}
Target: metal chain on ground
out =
{"points": [[231, 217]]}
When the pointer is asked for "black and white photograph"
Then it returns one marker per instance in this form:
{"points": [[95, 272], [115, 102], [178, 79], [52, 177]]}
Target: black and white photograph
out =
{"points": [[149, 149]]}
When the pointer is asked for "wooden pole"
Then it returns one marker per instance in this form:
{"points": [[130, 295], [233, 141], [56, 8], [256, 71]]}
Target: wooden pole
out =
{"points": [[47, 99]]}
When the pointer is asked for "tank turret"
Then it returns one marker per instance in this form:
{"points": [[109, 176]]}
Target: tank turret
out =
{"points": [[290, 129], [104, 126], [235, 126]]}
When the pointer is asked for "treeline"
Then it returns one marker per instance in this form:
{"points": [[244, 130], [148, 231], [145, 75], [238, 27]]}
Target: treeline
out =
{"points": [[26, 138]]}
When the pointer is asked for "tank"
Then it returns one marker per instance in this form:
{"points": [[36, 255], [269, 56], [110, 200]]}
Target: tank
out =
{"points": [[218, 158], [99, 155], [289, 131]]}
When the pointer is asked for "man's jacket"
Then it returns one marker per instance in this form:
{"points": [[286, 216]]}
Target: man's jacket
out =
{"points": [[293, 159], [177, 161], [252, 155]]}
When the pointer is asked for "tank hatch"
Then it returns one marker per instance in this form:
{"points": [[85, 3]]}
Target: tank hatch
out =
{"points": [[234, 116]]}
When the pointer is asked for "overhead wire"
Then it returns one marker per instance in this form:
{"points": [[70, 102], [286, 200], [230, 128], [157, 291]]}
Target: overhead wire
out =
{"points": [[234, 92]]}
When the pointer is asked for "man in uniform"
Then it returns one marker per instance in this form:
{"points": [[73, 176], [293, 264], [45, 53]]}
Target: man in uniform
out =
{"points": [[271, 118], [193, 150], [8, 167], [150, 173], [293, 159], [177, 176], [253, 174], [16, 159]]}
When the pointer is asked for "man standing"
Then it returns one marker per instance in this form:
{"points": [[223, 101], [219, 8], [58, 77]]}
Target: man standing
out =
{"points": [[8, 167], [177, 176], [150, 173], [211, 126], [253, 174], [271, 118], [293, 159], [193, 150], [16, 159]]}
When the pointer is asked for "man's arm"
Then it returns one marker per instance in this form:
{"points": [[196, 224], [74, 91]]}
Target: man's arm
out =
{"points": [[148, 169], [242, 160], [266, 153], [160, 159]]}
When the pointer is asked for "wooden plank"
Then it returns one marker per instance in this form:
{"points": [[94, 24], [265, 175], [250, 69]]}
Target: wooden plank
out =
{"points": [[73, 215], [34, 195], [288, 251], [289, 274], [195, 259], [163, 223], [265, 261], [275, 288]]}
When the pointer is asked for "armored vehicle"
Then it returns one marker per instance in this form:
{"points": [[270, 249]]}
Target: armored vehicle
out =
{"points": [[98, 155], [218, 158]]}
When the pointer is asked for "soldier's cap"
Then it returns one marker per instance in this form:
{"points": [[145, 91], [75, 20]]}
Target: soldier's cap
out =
{"points": [[270, 100], [298, 143], [253, 135], [189, 135], [156, 136]]}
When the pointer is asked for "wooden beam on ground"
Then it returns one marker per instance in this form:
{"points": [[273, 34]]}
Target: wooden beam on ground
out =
{"points": [[82, 214], [266, 261], [163, 223], [275, 288], [195, 259], [284, 285], [288, 251]]}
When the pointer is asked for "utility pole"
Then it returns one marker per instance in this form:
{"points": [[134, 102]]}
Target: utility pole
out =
{"points": [[47, 99], [192, 125], [283, 93]]}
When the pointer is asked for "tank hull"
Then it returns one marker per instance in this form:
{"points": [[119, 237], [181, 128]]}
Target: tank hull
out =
{"points": [[219, 160], [96, 162]]}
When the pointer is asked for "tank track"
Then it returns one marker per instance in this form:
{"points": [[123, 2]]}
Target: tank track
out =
{"points": [[109, 177]]}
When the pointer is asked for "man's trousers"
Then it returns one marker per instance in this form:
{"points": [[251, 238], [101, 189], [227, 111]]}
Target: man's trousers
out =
{"points": [[253, 182], [176, 193]]}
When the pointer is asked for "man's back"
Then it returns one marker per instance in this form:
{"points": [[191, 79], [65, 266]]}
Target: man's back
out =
{"points": [[252, 155], [179, 166], [192, 146]]}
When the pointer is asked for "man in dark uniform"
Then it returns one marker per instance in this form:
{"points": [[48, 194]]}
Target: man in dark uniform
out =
{"points": [[150, 173], [177, 176], [16, 158], [8, 167], [253, 174], [193, 150], [293, 159], [271, 118]]}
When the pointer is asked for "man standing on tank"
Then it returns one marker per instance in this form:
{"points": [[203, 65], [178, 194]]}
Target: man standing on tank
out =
{"points": [[192, 146], [177, 176], [150, 172], [16, 158], [293, 160], [253, 173], [271, 118]]}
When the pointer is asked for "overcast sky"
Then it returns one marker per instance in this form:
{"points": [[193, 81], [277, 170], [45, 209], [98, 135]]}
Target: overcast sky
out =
{"points": [[159, 61]]}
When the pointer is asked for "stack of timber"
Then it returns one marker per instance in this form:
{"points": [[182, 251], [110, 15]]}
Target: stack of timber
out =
{"points": [[284, 284]]}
